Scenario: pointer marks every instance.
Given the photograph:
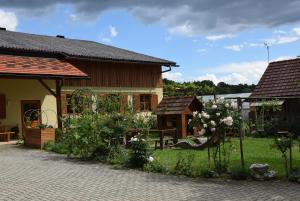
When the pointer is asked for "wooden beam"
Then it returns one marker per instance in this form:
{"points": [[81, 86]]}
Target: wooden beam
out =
{"points": [[47, 87], [59, 84]]}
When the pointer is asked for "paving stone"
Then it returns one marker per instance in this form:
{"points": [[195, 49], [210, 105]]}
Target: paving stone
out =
{"points": [[27, 174]]}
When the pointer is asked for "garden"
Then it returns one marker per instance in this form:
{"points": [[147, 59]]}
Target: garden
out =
{"points": [[97, 130]]}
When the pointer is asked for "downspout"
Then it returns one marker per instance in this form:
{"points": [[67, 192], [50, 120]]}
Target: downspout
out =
{"points": [[169, 68]]}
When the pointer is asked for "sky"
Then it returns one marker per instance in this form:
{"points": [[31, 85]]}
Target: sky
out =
{"points": [[219, 40]]}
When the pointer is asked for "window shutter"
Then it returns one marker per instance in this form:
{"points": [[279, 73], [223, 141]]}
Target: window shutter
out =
{"points": [[123, 102], [64, 104], [154, 102], [136, 102], [2, 106]]}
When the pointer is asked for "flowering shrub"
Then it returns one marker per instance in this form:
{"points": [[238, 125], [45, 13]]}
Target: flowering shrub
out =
{"points": [[283, 144], [217, 115], [140, 153]]}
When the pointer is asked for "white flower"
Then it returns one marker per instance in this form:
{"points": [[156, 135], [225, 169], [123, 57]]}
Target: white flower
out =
{"points": [[195, 113], [228, 121], [150, 159], [202, 132], [133, 139], [189, 121], [218, 113], [213, 123], [204, 125], [214, 106], [227, 105], [213, 129], [205, 115]]}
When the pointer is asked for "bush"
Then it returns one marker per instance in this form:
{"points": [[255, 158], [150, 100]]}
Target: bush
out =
{"points": [[139, 153], [209, 173], [295, 175], [59, 148], [184, 165], [155, 166], [239, 173]]}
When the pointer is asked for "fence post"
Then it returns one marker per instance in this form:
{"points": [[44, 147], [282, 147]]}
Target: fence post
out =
{"points": [[241, 131]]}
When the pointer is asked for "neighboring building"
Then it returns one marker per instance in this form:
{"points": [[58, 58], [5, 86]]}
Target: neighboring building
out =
{"points": [[39, 72], [233, 99], [281, 82]]}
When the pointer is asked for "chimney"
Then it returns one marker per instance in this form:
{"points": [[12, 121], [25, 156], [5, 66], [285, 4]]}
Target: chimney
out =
{"points": [[60, 36], [2, 29]]}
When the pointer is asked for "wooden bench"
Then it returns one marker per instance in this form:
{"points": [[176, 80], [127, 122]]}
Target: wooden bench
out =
{"points": [[5, 133], [165, 137]]}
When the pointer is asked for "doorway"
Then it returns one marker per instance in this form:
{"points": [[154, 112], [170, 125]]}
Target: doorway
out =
{"points": [[30, 114]]}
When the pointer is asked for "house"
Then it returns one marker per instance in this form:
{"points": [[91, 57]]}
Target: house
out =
{"points": [[39, 72], [176, 111], [280, 82]]}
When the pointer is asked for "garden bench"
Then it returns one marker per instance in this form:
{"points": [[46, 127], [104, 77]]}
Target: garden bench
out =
{"points": [[5, 134], [165, 136]]}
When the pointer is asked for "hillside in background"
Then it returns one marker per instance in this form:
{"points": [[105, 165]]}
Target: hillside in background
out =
{"points": [[205, 87]]}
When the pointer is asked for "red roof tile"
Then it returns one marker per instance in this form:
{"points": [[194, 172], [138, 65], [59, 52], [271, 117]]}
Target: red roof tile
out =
{"points": [[40, 66], [280, 79]]}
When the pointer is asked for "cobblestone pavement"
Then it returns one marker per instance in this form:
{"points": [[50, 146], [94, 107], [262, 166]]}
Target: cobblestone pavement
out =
{"points": [[27, 174]]}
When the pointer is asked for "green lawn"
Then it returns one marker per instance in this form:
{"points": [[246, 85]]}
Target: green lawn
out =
{"points": [[256, 150]]}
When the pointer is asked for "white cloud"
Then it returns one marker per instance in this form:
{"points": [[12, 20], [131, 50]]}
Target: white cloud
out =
{"points": [[176, 76], [235, 48], [8, 20], [184, 29], [283, 58], [106, 40], [113, 31], [284, 37], [236, 73], [219, 37]]}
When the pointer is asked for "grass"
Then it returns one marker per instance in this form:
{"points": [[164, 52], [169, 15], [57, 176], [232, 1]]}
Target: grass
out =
{"points": [[256, 150]]}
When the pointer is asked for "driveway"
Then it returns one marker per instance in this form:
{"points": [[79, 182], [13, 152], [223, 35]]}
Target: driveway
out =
{"points": [[27, 174]]}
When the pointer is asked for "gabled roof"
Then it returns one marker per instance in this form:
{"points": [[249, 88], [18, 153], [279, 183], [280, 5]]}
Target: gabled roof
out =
{"points": [[177, 105], [73, 47], [25, 66], [281, 79]]}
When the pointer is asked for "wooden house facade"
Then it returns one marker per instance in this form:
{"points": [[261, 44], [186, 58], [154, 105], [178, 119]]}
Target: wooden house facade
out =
{"points": [[42, 71]]}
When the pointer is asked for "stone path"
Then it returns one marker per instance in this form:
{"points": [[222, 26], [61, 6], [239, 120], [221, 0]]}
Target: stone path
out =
{"points": [[27, 174]]}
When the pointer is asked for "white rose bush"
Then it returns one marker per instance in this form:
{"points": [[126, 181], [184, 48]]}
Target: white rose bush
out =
{"points": [[217, 116]]}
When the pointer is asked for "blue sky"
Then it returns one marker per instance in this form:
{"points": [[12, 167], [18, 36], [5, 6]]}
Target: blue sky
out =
{"points": [[228, 52]]}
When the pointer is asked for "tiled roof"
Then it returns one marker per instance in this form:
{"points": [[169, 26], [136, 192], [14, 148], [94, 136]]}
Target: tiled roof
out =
{"points": [[177, 105], [37, 66], [281, 79], [73, 47]]}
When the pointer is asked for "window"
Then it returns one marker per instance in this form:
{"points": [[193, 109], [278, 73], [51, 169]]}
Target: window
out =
{"points": [[2, 106], [145, 102]]}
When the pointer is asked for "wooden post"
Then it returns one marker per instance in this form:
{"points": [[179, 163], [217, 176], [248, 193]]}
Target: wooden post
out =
{"points": [[183, 126], [58, 103], [239, 104]]}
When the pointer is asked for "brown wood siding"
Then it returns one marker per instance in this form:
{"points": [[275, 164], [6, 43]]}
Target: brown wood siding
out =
{"points": [[110, 74], [136, 102], [123, 101], [2, 106], [154, 102], [64, 104]]}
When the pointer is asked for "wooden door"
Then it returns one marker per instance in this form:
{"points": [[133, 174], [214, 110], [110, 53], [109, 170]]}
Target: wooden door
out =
{"points": [[30, 113]]}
